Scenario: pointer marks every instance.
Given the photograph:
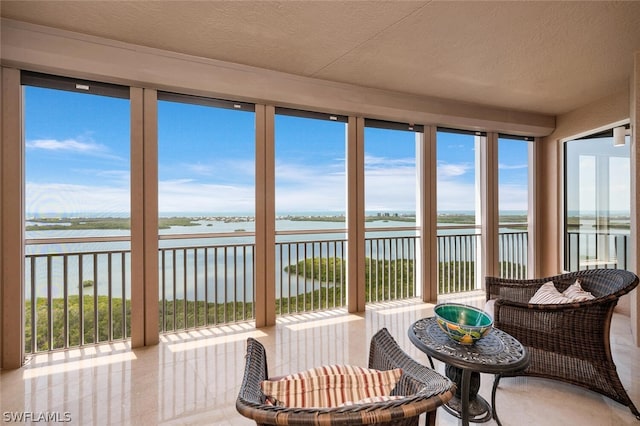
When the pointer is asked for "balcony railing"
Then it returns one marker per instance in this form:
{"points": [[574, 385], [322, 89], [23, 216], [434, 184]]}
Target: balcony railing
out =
{"points": [[75, 299], [206, 285], [390, 268], [83, 297], [589, 250], [513, 254]]}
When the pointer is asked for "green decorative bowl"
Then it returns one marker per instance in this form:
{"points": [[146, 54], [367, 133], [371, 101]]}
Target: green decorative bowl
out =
{"points": [[462, 323]]}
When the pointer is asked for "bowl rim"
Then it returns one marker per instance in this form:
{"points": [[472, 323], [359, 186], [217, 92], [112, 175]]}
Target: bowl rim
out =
{"points": [[473, 308]]}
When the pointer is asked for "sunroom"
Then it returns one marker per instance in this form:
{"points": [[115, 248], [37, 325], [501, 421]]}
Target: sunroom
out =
{"points": [[178, 177]]}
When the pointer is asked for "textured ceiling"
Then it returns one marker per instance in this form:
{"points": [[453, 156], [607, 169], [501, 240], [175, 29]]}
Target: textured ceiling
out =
{"points": [[548, 57]]}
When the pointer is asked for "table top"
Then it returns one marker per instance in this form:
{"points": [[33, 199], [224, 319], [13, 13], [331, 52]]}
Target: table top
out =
{"points": [[498, 352]]}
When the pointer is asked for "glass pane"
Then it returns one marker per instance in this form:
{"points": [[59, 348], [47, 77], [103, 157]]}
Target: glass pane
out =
{"points": [[391, 190], [459, 243], [458, 201], [77, 164], [513, 204], [206, 208], [597, 193], [206, 168], [310, 201], [390, 177], [77, 185], [310, 173]]}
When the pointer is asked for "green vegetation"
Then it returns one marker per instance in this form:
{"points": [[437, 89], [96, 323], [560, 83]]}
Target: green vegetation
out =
{"points": [[73, 309], [575, 223], [201, 313], [119, 223], [384, 280]]}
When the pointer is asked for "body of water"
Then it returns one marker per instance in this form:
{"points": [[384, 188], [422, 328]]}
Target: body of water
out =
{"points": [[233, 266]]}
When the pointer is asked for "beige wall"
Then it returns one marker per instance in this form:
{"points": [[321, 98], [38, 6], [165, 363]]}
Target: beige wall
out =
{"points": [[602, 114], [599, 115], [634, 297]]}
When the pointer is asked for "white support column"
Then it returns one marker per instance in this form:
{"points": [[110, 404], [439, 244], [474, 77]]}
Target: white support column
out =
{"points": [[11, 222], [489, 207], [265, 286], [151, 278], [356, 299], [532, 216], [427, 213], [144, 218]]}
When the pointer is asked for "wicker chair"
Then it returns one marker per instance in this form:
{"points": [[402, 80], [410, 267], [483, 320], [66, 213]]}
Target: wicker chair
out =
{"points": [[424, 390], [567, 342]]}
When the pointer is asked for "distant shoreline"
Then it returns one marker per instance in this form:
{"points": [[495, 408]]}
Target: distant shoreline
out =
{"points": [[119, 223]]}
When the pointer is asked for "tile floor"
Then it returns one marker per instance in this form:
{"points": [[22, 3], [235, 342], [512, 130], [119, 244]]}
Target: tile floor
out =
{"points": [[193, 378]]}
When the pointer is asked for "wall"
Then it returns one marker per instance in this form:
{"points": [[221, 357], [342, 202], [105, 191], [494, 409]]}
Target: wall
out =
{"points": [[602, 114], [599, 115], [634, 101]]}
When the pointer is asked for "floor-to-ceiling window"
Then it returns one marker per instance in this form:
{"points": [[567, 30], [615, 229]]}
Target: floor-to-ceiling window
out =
{"points": [[459, 210], [77, 204], [206, 203], [310, 204], [513, 205], [391, 198], [597, 202]]}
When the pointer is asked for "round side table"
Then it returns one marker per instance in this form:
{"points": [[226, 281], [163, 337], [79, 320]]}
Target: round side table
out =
{"points": [[497, 353]]}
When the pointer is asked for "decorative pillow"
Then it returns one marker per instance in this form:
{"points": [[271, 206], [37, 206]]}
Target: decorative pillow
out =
{"points": [[489, 307], [548, 294], [373, 399], [330, 386], [576, 293]]}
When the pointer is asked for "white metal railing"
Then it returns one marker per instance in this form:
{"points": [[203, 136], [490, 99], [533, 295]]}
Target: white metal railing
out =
{"points": [[74, 299], [602, 249], [80, 297]]}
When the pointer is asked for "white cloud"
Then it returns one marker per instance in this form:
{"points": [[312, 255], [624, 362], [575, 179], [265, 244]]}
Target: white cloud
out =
{"points": [[502, 166], [371, 161], [74, 146], [66, 145], [185, 195], [454, 195], [74, 199], [449, 170], [390, 186], [200, 169], [513, 197]]}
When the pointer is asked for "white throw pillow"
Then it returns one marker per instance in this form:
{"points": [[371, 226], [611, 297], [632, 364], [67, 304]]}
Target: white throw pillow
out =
{"points": [[489, 307], [548, 294], [576, 293]]}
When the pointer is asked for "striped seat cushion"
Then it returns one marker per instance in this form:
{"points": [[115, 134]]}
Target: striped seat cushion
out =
{"points": [[330, 386]]}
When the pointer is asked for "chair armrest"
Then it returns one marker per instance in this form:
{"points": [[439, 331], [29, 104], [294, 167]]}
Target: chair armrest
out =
{"points": [[417, 379], [570, 324], [513, 290]]}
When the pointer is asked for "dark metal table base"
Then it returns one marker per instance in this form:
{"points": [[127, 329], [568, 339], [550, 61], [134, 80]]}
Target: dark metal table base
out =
{"points": [[479, 409]]}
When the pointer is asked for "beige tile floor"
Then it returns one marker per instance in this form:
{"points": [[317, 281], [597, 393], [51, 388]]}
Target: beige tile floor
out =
{"points": [[193, 378]]}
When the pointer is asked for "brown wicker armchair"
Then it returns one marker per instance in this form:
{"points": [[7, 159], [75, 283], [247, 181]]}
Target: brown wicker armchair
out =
{"points": [[424, 390], [567, 342]]}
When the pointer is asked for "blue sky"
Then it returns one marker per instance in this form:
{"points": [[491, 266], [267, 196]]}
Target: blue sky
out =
{"points": [[77, 150]]}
